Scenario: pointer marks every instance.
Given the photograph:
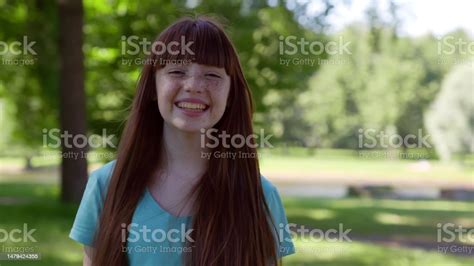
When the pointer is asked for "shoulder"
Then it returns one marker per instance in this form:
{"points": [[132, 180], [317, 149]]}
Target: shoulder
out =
{"points": [[101, 176], [270, 191], [267, 186]]}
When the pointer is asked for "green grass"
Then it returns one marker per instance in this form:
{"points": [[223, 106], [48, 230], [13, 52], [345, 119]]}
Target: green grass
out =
{"points": [[379, 216], [38, 206], [301, 162], [32, 198], [363, 254], [347, 163]]}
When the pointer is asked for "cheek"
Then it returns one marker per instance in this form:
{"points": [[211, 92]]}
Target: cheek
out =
{"points": [[220, 99], [166, 93]]}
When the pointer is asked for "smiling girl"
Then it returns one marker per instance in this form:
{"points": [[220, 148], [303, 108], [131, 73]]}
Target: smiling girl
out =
{"points": [[166, 200]]}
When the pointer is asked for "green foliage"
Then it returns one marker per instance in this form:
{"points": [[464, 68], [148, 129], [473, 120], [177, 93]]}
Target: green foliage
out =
{"points": [[29, 90], [384, 87], [451, 116], [386, 83]]}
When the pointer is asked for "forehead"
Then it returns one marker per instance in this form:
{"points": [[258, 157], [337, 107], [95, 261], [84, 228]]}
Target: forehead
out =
{"points": [[194, 66]]}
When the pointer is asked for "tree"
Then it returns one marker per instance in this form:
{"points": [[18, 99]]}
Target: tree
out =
{"points": [[450, 119], [72, 98]]}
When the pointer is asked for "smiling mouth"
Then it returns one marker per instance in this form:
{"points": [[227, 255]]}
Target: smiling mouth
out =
{"points": [[195, 107]]}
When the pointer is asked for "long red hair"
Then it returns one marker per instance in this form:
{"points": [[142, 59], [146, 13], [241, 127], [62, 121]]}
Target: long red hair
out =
{"points": [[231, 224]]}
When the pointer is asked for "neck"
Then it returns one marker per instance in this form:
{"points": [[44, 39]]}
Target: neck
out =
{"points": [[182, 154]]}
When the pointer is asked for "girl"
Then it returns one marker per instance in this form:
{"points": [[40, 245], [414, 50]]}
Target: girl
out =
{"points": [[171, 197]]}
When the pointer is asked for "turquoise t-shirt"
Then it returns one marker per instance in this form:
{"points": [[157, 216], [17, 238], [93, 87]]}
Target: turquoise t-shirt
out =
{"points": [[155, 236]]}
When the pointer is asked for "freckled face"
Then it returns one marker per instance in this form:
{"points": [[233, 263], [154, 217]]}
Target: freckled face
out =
{"points": [[192, 96]]}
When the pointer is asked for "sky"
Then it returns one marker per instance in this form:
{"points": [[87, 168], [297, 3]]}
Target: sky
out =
{"points": [[418, 17]]}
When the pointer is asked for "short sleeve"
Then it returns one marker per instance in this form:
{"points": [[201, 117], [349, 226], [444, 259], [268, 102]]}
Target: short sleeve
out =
{"points": [[285, 242], [87, 217]]}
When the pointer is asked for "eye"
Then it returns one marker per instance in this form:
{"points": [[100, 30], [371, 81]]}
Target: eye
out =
{"points": [[212, 75], [176, 72]]}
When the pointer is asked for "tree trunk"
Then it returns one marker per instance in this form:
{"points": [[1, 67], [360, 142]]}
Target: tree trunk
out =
{"points": [[28, 165], [72, 99]]}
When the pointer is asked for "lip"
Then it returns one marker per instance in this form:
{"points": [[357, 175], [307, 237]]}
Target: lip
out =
{"points": [[192, 100], [192, 113]]}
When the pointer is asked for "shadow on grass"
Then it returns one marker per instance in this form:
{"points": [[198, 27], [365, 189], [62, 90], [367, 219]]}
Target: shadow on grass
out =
{"points": [[38, 207], [367, 217]]}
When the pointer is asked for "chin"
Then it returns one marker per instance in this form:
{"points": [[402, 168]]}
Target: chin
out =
{"points": [[189, 127]]}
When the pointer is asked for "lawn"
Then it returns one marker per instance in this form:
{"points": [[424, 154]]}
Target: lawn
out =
{"points": [[37, 205], [347, 163], [294, 162], [363, 254], [377, 217]]}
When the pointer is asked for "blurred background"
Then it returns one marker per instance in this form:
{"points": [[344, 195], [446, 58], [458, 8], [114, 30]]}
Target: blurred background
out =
{"points": [[370, 105]]}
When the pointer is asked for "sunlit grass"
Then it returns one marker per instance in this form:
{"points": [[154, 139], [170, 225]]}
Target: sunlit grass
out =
{"points": [[376, 169], [365, 254], [25, 198], [366, 216], [53, 221], [334, 162], [40, 210]]}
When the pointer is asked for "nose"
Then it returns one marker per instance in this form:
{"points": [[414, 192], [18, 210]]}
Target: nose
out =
{"points": [[194, 84]]}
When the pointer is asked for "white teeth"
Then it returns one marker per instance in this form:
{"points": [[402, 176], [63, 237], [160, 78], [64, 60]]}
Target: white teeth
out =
{"points": [[194, 106]]}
